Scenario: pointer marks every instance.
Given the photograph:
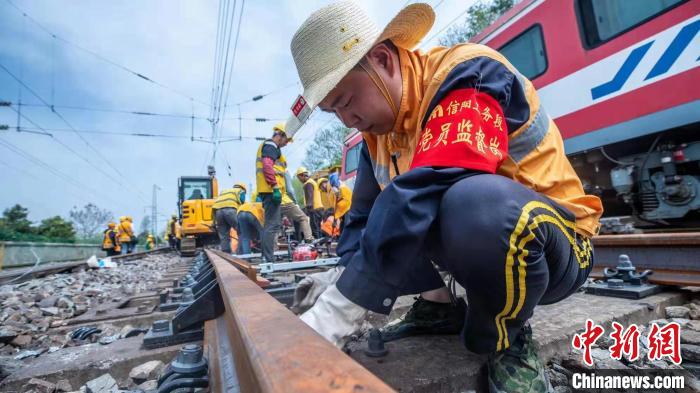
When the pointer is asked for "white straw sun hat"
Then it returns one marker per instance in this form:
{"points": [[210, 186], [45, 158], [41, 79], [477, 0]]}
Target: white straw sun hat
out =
{"points": [[333, 40]]}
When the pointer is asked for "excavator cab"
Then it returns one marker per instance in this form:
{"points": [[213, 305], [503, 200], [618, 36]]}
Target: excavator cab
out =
{"points": [[196, 195]]}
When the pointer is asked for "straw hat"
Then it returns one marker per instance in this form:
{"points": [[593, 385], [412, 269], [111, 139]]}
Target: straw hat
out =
{"points": [[333, 40]]}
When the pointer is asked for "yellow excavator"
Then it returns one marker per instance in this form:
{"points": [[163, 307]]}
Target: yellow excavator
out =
{"points": [[196, 195]]}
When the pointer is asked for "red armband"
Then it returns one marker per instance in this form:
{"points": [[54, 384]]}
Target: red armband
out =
{"points": [[465, 130]]}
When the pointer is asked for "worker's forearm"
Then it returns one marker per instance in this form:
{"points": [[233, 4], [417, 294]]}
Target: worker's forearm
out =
{"points": [[269, 171], [309, 196], [396, 231], [366, 191]]}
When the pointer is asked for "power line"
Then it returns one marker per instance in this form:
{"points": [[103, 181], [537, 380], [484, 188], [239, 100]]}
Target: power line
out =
{"points": [[142, 134], [43, 131], [145, 113], [70, 126], [233, 64], [445, 27], [103, 58], [261, 96], [65, 177]]}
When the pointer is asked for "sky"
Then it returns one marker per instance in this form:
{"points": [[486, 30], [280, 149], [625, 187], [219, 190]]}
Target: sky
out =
{"points": [[87, 158]]}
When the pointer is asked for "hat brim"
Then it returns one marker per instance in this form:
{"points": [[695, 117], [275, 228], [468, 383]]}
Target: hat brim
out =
{"points": [[405, 30]]}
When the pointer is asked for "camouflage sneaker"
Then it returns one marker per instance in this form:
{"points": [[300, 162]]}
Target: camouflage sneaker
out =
{"points": [[426, 317], [518, 368]]}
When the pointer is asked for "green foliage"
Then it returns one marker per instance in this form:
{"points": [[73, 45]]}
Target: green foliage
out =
{"points": [[479, 16], [57, 228], [326, 148], [15, 219], [15, 226]]}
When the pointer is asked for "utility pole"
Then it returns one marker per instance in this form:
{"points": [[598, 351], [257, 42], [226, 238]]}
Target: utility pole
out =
{"points": [[154, 213]]}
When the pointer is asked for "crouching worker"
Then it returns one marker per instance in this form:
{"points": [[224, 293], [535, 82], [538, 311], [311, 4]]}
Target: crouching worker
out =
{"points": [[461, 166], [251, 218], [225, 213]]}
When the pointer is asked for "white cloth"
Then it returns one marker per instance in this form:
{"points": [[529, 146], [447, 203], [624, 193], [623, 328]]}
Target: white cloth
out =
{"points": [[312, 286], [335, 317]]}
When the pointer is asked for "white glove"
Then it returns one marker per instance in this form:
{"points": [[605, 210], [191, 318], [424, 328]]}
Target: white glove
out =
{"points": [[335, 317], [312, 286]]}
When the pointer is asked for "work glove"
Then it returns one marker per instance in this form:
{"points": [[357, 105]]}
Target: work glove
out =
{"points": [[312, 286], [335, 317], [276, 196]]}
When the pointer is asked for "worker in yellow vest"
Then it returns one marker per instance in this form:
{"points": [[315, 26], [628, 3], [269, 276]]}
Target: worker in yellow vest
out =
{"points": [[343, 201], [170, 231], [456, 142], [110, 242], [328, 197], [312, 195], [225, 213], [251, 218], [293, 212], [125, 234], [270, 166], [150, 242]]}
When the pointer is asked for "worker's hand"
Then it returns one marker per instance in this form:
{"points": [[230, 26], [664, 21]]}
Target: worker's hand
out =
{"points": [[335, 317], [276, 196], [312, 286]]}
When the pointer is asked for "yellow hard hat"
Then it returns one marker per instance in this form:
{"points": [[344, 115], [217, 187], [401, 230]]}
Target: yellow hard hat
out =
{"points": [[241, 186], [128, 218], [281, 128], [111, 225], [302, 170], [122, 218], [322, 180]]}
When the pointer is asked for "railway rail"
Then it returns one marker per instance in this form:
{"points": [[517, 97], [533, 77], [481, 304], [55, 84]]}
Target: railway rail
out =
{"points": [[258, 345], [673, 257]]}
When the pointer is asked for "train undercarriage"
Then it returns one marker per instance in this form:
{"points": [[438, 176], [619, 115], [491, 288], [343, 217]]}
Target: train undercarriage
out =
{"points": [[650, 182]]}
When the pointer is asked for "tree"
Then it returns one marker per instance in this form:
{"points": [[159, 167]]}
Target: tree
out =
{"points": [[90, 219], [15, 219], [326, 149], [57, 228], [479, 16]]}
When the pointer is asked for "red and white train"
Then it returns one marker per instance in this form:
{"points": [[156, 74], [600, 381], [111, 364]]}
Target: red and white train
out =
{"points": [[621, 80]]}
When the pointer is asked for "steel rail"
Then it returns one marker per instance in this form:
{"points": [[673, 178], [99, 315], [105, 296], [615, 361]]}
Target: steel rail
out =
{"points": [[674, 257], [244, 267], [258, 345]]}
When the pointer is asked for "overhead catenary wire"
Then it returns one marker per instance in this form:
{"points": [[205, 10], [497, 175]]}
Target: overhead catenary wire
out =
{"points": [[60, 175], [233, 63], [58, 114], [141, 134], [145, 113], [103, 58], [43, 131], [425, 42]]}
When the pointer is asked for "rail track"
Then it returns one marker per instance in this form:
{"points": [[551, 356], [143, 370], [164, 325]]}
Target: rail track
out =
{"points": [[253, 343], [673, 257], [258, 345]]}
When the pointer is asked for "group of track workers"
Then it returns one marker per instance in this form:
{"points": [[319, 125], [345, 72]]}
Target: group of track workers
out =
{"points": [[461, 170], [258, 223], [120, 239]]}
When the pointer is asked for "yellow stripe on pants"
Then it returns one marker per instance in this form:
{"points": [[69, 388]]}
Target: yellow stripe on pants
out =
{"points": [[560, 223]]}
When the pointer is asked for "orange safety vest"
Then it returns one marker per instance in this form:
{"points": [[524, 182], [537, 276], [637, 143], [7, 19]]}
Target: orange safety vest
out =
{"points": [[541, 166]]}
